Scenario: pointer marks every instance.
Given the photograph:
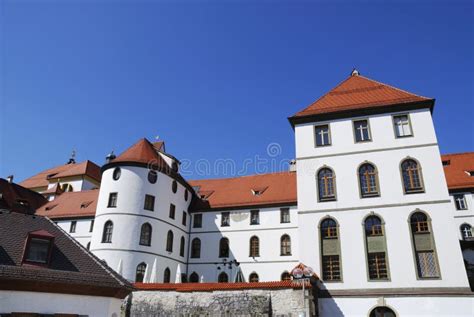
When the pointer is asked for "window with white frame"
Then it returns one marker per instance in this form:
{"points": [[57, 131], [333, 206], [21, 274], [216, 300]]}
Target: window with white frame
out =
{"points": [[402, 126], [322, 135], [460, 202], [361, 131]]}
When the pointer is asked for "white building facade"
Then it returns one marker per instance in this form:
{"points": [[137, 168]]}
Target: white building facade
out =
{"points": [[368, 208]]}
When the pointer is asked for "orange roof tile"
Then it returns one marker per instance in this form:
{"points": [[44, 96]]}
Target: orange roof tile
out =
{"points": [[142, 152], [43, 178], [209, 287], [456, 172], [71, 205], [237, 192], [359, 92]]}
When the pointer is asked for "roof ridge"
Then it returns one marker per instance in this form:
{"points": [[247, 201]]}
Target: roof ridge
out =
{"points": [[335, 87], [393, 87]]}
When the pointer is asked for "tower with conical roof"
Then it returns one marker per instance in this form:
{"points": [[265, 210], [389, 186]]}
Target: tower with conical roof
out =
{"points": [[141, 225]]}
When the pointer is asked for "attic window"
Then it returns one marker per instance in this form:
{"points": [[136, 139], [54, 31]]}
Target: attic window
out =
{"points": [[51, 175], [258, 191], [38, 248], [50, 207], [205, 194], [86, 204], [446, 162]]}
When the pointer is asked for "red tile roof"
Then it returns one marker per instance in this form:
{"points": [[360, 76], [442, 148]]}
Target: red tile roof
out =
{"points": [[13, 196], [237, 192], [142, 152], [456, 172], [71, 205], [86, 168], [359, 92], [209, 287]]}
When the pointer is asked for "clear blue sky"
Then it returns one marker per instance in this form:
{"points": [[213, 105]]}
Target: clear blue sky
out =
{"points": [[214, 80]]}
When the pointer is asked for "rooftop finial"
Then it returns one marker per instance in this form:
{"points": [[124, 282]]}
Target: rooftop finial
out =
{"points": [[355, 72], [110, 157], [72, 159]]}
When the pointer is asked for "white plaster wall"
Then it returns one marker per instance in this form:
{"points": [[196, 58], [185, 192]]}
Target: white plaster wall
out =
{"points": [[383, 135], [129, 215], [83, 234], [403, 306], [49, 303], [399, 247], [269, 265]]}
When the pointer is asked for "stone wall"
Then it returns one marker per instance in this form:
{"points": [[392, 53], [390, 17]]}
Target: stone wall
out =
{"points": [[251, 302]]}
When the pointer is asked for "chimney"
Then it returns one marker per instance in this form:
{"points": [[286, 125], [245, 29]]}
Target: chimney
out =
{"points": [[10, 178]]}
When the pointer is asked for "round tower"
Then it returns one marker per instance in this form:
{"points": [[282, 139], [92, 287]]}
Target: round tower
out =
{"points": [[141, 225]]}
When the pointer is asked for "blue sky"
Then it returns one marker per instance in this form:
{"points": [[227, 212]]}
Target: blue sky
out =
{"points": [[215, 80]]}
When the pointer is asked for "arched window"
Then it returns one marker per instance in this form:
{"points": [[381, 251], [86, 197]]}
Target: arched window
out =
{"points": [[140, 272], [330, 250], [152, 176], [285, 245], [423, 245], [382, 311], [194, 278], [411, 175], [181, 247], [466, 231], [368, 181], [116, 173], [224, 248], [285, 276], [169, 241], [223, 278], [167, 276], [196, 248], [254, 247], [326, 184], [253, 278], [376, 248], [145, 234], [107, 233], [174, 186]]}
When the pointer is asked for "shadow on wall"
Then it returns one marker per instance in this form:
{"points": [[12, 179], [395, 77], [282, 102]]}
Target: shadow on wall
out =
{"points": [[326, 303]]}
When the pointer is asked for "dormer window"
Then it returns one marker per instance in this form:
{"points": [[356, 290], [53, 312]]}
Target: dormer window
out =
{"points": [[257, 191], [85, 204], [205, 194], [470, 173], [38, 248], [23, 202], [48, 208]]}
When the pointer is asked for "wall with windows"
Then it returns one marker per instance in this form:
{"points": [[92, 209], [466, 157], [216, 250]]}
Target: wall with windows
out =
{"points": [[268, 265], [81, 230], [127, 212], [463, 212]]}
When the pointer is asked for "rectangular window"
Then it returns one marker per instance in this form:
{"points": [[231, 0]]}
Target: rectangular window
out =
{"points": [[197, 221], [361, 131], [38, 250], [377, 266], [402, 126], [172, 211], [460, 202], [149, 202], [331, 268], [254, 217], [72, 228], [285, 215], [427, 266], [112, 200], [225, 219], [91, 226], [322, 135], [185, 216]]}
